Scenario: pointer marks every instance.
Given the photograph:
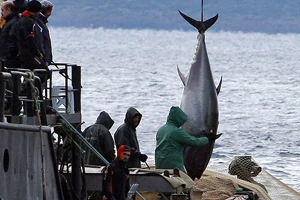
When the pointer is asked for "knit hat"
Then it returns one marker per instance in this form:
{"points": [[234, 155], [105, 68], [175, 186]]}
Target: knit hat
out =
{"points": [[122, 149], [34, 6], [46, 5]]}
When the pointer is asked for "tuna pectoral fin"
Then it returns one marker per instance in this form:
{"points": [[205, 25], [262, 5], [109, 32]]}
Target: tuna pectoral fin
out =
{"points": [[182, 77], [218, 135], [198, 24], [219, 86]]}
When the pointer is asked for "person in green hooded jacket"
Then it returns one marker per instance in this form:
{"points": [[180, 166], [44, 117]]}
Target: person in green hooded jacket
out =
{"points": [[171, 141]]}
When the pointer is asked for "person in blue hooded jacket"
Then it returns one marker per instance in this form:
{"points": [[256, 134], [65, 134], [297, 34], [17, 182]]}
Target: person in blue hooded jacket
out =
{"points": [[171, 141]]}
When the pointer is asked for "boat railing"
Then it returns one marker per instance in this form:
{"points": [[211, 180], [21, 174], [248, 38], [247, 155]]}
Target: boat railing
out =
{"points": [[14, 100], [64, 91], [30, 106]]}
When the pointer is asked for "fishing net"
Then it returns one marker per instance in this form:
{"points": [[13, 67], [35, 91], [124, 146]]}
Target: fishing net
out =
{"points": [[244, 167], [221, 182]]}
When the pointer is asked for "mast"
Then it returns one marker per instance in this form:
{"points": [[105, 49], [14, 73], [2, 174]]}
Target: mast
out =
{"points": [[202, 17]]}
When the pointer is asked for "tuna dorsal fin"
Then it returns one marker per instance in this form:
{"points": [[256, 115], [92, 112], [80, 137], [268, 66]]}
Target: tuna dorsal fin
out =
{"points": [[199, 25], [182, 77], [219, 86]]}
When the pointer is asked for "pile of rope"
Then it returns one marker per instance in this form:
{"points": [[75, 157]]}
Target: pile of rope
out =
{"points": [[213, 187]]}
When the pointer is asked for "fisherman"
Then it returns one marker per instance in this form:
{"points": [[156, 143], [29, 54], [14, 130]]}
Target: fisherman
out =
{"points": [[2, 20], [8, 38], [115, 183], [8, 44], [45, 13], [171, 141], [99, 136], [126, 135], [30, 49]]}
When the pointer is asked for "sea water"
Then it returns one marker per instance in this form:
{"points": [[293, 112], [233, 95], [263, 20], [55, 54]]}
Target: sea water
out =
{"points": [[258, 103]]}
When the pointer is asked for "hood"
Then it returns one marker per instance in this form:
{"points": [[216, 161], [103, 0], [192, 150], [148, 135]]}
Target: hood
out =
{"points": [[26, 13], [176, 116], [105, 120], [130, 114]]}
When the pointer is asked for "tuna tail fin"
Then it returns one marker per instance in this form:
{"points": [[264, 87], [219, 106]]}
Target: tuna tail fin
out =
{"points": [[182, 77], [219, 86], [199, 25]]}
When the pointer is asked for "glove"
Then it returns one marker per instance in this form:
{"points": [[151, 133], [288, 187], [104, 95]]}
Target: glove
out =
{"points": [[211, 137], [143, 157]]}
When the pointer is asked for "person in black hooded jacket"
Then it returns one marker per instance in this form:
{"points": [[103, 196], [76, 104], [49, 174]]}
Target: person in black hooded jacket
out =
{"points": [[126, 135], [99, 136]]}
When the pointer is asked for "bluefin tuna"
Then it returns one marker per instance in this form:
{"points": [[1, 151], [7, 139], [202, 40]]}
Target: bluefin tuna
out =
{"points": [[199, 102]]}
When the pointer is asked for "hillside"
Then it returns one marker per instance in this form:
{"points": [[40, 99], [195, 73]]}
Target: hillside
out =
{"points": [[276, 16]]}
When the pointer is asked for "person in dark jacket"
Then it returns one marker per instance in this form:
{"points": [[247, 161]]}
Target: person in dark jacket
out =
{"points": [[2, 20], [115, 183], [99, 136], [45, 40], [171, 141], [8, 43], [8, 38], [30, 50], [126, 135]]}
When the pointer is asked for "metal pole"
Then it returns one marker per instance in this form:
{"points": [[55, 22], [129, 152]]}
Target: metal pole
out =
{"points": [[76, 83], [202, 11], [3, 78], [16, 104], [76, 157], [37, 83], [76, 172], [30, 104]]}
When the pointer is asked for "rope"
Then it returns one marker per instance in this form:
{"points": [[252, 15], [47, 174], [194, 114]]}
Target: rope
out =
{"points": [[81, 137], [35, 95], [68, 132]]}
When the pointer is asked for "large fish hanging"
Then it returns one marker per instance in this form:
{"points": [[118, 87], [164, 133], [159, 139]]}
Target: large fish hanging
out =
{"points": [[199, 101]]}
